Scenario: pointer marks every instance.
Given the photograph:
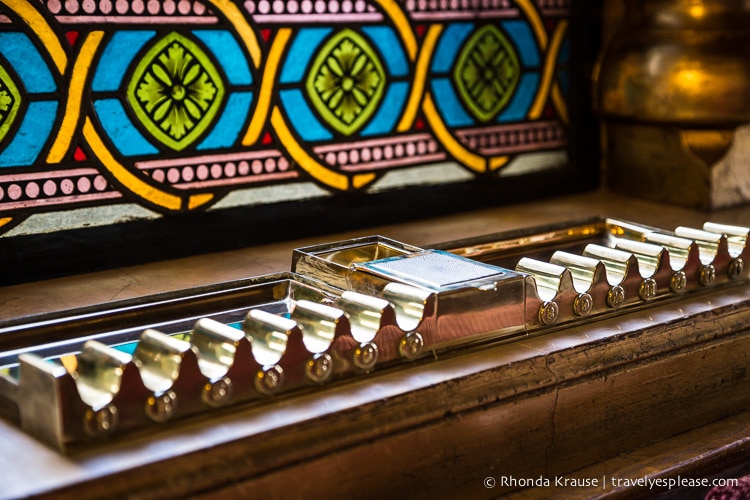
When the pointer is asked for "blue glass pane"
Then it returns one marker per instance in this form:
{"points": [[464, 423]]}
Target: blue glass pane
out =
{"points": [[126, 138], [520, 33], [31, 136], [390, 48], [26, 61], [521, 100], [230, 123], [390, 110], [230, 56], [304, 46], [450, 43], [302, 117], [116, 58], [446, 100]]}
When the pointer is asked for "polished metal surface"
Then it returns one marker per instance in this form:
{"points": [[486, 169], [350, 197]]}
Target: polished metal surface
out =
{"points": [[671, 92], [140, 363], [678, 62]]}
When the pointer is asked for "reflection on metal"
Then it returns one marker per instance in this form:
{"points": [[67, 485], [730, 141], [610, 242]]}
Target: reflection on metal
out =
{"points": [[349, 308], [671, 90]]}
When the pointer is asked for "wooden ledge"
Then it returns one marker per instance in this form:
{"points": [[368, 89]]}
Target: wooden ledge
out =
{"points": [[576, 400], [716, 451], [539, 407]]}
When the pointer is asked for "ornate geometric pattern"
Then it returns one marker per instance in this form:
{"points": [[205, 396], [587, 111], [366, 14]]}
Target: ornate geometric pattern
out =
{"points": [[487, 72], [10, 102], [175, 91], [175, 105], [346, 81]]}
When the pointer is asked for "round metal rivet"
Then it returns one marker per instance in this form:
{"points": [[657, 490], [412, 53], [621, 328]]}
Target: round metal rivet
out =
{"points": [[162, 407], [615, 296], [707, 275], [411, 345], [270, 379], [647, 290], [735, 268], [217, 393], [319, 368], [548, 313], [365, 356], [583, 304], [102, 421], [678, 282]]}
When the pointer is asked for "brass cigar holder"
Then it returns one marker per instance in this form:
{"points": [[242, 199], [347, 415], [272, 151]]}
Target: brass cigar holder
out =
{"points": [[348, 309]]}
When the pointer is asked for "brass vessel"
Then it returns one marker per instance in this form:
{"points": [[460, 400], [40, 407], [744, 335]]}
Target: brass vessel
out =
{"points": [[674, 96]]}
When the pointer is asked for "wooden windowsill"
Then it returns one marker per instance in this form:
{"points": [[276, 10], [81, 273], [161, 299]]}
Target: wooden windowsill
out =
{"points": [[552, 404]]}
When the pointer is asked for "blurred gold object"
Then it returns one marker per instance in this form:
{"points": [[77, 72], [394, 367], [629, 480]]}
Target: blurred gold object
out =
{"points": [[673, 92]]}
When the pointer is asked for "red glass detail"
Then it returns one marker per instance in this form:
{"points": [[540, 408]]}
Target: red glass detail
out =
{"points": [[79, 155], [72, 36]]}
